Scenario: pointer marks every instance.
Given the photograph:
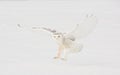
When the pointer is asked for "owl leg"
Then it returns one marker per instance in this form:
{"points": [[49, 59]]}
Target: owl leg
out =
{"points": [[66, 53], [60, 49]]}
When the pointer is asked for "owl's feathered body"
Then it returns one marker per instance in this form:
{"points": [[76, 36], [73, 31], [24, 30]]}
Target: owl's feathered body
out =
{"points": [[68, 41]]}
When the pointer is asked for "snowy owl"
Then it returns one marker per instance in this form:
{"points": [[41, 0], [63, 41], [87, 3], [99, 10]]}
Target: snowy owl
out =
{"points": [[68, 42]]}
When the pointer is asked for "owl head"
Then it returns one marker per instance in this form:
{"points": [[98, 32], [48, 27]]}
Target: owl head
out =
{"points": [[58, 36]]}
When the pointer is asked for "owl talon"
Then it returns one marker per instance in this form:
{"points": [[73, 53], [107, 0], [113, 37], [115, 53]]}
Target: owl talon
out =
{"points": [[56, 57], [64, 59]]}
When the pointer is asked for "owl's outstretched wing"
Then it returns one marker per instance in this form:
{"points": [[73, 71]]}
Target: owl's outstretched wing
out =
{"points": [[83, 29], [53, 31]]}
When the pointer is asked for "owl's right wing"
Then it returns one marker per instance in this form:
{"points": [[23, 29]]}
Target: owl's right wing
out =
{"points": [[83, 29]]}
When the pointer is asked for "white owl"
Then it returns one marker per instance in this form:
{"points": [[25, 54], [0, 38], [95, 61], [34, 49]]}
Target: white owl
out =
{"points": [[68, 42]]}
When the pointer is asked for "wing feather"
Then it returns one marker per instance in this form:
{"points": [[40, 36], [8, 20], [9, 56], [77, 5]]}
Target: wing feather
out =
{"points": [[83, 29]]}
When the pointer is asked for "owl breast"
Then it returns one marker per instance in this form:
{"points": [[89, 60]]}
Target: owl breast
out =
{"points": [[59, 41], [67, 43]]}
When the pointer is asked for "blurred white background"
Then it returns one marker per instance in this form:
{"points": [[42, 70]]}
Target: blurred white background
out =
{"points": [[28, 52]]}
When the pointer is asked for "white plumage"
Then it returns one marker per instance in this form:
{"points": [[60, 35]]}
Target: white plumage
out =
{"points": [[68, 42]]}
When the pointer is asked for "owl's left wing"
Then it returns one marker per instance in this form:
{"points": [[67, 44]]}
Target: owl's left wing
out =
{"points": [[53, 31], [83, 29]]}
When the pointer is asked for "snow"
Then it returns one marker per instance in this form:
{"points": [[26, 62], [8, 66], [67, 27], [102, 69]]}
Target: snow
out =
{"points": [[30, 52]]}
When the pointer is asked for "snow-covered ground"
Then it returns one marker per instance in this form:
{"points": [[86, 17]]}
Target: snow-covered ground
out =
{"points": [[30, 52]]}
